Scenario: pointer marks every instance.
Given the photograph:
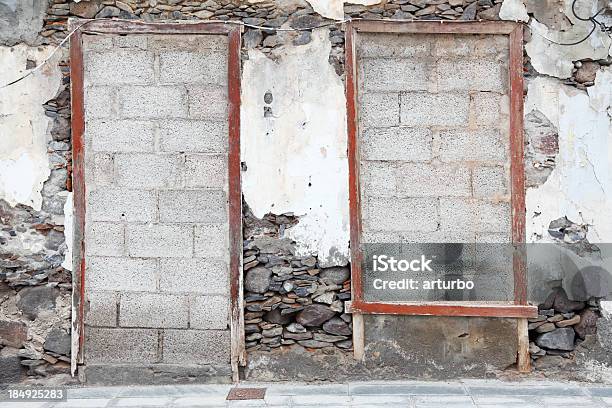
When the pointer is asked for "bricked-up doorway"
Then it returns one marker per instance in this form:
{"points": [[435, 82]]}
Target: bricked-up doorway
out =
{"points": [[436, 148], [156, 155]]}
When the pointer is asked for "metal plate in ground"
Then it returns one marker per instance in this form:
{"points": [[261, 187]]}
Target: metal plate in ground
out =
{"points": [[246, 393]]}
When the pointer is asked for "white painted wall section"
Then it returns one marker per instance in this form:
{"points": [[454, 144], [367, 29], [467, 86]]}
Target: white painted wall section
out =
{"points": [[24, 165], [296, 157]]}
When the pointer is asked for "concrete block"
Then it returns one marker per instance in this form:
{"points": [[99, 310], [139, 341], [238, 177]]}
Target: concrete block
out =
{"points": [[427, 180], [425, 109], [114, 204], [104, 239], [209, 312], [377, 45], [487, 109], [212, 241], [471, 75], [159, 310], [473, 216], [193, 136], [130, 41], [120, 345], [490, 181], [462, 145], [208, 102], [192, 43], [119, 66], [393, 74], [157, 374], [103, 169], [152, 102], [121, 274], [203, 346], [401, 214], [203, 67], [157, 240], [194, 275], [450, 45], [206, 171], [99, 102], [101, 309], [397, 143], [379, 110], [378, 178], [120, 135], [143, 170], [98, 42], [193, 206]]}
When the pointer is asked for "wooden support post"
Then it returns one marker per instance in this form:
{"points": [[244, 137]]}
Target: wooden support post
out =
{"points": [[524, 359], [358, 337]]}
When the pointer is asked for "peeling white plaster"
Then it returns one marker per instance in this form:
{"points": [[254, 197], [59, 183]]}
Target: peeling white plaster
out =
{"points": [[580, 185], [557, 60], [513, 10], [296, 158], [334, 9], [68, 231], [24, 165]]}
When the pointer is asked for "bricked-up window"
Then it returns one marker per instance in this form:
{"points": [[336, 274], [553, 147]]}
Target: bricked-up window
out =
{"points": [[433, 137], [157, 143]]}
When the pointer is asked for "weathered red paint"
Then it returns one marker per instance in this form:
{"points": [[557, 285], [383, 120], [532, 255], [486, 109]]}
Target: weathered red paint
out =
{"points": [[514, 31]]}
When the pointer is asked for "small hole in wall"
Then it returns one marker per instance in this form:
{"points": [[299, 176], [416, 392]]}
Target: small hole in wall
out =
{"points": [[268, 97], [267, 111], [30, 64], [463, 335], [123, 214], [309, 184]]}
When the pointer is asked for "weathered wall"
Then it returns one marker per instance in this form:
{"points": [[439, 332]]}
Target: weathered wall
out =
{"points": [[567, 167], [156, 239], [35, 289]]}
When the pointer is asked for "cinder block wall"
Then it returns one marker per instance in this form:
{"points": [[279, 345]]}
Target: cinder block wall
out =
{"points": [[156, 242], [434, 152]]}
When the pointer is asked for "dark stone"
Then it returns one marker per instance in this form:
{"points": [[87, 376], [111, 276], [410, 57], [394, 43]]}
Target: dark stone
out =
{"points": [[564, 305], [257, 280], [491, 13], [297, 336], [559, 339], [314, 344], [108, 11], [336, 275], [11, 371], [251, 328], [13, 334], [329, 338], [275, 316], [303, 38], [58, 341], [315, 315], [85, 9], [337, 326], [469, 13], [306, 21], [36, 299], [587, 324], [252, 39], [345, 344], [586, 72]]}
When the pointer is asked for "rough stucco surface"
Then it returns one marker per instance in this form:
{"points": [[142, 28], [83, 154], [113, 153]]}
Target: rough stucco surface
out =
{"points": [[20, 20], [24, 166], [296, 155]]}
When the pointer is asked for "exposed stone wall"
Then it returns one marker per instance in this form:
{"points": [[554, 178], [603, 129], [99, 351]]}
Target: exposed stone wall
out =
{"points": [[156, 239], [290, 299]]}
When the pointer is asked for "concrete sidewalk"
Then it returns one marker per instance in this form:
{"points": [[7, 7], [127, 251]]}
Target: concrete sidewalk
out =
{"points": [[454, 394]]}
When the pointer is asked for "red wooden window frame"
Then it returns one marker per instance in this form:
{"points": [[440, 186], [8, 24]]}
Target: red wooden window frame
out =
{"points": [[519, 308], [238, 354]]}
